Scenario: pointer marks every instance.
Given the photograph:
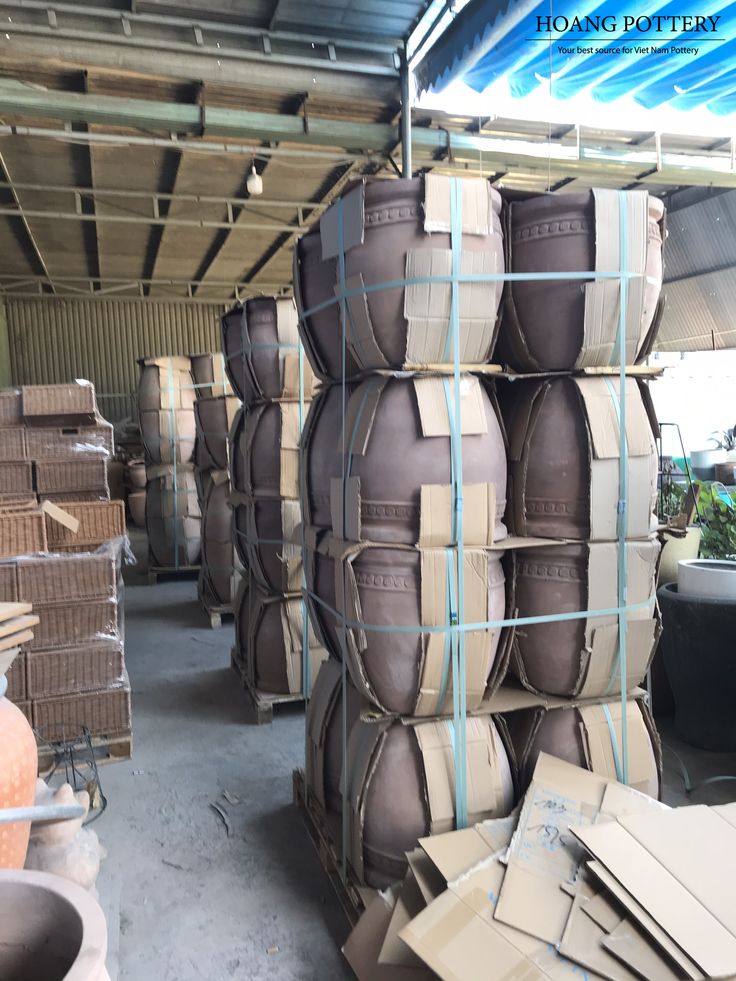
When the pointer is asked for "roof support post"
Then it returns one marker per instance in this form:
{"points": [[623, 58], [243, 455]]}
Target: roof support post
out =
{"points": [[405, 117]]}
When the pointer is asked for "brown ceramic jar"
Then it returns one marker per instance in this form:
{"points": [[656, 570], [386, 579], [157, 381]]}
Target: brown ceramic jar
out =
{"points": [[250, 342], [393, 226], [259, 638], [556, 233], [173, 519], [398, 460], [217, 545], [212, 414]]}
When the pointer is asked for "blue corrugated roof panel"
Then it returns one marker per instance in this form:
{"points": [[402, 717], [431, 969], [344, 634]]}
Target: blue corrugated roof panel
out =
{"points": [[657, 53]]}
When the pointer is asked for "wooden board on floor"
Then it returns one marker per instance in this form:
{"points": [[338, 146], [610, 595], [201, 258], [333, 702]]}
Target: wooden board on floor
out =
{"points": [[113, 750], [155, 572], [260, 704], [352, 897]]}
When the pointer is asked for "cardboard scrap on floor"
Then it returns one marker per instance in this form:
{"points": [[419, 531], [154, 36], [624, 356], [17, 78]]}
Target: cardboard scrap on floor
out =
{"points": [[588, 878]]}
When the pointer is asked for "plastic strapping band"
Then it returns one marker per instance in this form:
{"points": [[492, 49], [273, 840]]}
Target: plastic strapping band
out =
{"points": [[172, 447], [623, 479], [343, 625], [306, 673], [450, 619], [623, 448], [459, 680], [614, 743]]}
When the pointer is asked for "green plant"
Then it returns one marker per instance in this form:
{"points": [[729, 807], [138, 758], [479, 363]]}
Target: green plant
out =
{"points": [[718, 520], [671, 493], [725, 439]]}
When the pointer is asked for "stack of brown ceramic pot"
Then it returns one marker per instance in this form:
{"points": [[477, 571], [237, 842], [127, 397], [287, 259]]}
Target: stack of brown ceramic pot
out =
{"points": [[166, 396], [382, 553], [215, 409], [266, 368], [564, 436]]}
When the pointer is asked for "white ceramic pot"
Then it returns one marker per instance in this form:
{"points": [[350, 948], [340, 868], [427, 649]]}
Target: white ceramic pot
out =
{"points": [[704, 461], [707, 578]]}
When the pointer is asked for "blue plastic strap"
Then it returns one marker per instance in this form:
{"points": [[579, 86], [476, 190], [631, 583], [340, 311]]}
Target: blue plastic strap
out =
{"points": [[614, 743], [450, 619], [623, 479], [456, 451], [343, 294]]}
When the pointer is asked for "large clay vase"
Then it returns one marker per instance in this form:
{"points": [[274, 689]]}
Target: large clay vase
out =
{"points": [[556, 233], [390, 665], [550, 459], [137, 506], [393, 227], [217, 545], [697, 642], [554, 579], [265, 531], [398, 460], [50, 930], [255, 352], [260, 450], [260, 641], [213, 416], [166, 396], [173, 518], [18, 770], [325, 739], [209, 375], [135, 474], [395, 809], [560, 733]]}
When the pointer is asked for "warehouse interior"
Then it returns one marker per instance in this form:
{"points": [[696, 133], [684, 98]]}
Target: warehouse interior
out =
{"points": [[160, 162]]}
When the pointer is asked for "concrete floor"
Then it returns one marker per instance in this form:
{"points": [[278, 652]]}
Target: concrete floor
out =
{"points": [[194, 902]]}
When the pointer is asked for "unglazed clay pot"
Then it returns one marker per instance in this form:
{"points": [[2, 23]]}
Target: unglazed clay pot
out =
{"points": [[50, 930], [396, 812], [389, 589], [168, 434], [265, 530], [213, 415], [217, 546], [560, 733], [265, 437], [550, 459], [398, 459], [260, 641], [555, 579], [173, 518], [393, 227], [165, 383], [209, 375], [18, 769], [319, 571], [135, 474], [256, 350], [137, 506], [556, 233]]}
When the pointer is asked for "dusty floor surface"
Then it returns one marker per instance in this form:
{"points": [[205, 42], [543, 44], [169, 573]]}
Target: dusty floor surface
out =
{"points": [[194, 903]]}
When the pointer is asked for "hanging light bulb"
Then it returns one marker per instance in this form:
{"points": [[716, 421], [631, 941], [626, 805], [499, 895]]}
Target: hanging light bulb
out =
{"points": [[254, 183]]}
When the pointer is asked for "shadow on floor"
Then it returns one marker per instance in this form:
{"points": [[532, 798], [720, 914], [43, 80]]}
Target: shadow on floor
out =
{"points": [[187, 613], [282, 837], [213, 695]]}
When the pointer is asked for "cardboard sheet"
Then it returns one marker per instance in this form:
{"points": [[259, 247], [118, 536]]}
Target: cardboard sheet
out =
{"points": [[687, 890], [362, 946], [582, 942]]}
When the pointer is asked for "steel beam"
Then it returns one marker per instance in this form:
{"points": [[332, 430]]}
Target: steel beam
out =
{"points": [[99, 194], [247, 226], [18, 212], [198, 48], [91, 287]]}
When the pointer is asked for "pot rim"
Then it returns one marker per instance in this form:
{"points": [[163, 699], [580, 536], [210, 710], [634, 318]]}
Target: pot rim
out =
{"points": [[92, 954]]}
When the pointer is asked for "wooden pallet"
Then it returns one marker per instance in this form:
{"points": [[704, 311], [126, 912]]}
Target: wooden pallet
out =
{"points": [[156, 571], [260, 704], [216, 613], [352, 897], [105, 750]]}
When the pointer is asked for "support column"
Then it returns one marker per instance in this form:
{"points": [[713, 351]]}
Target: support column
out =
{"points": [[405, 117]]}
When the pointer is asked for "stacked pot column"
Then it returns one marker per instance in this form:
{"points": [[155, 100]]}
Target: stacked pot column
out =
{"points": [[267, 371], [215, 410], [166, 416], [567, 479], [387, 461]]}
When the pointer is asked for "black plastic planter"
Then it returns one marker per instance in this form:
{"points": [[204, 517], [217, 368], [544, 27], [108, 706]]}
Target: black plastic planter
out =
{"points": [[697, 644]]}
